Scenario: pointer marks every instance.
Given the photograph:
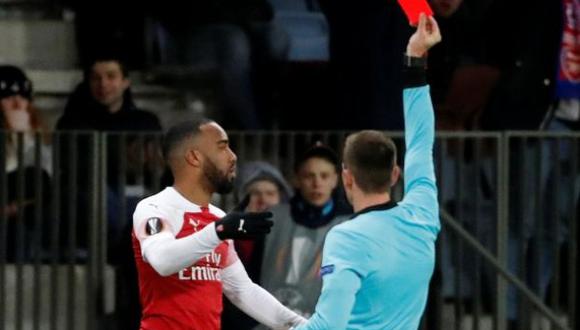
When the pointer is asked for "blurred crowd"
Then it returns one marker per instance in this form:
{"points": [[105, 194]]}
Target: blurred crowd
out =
{"points": [[278, 64]]}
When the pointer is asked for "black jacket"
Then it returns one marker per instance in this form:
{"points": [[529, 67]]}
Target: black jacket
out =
{"points": [[82, 112]]}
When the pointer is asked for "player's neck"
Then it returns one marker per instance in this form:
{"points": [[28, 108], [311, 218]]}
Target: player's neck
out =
{"points": [[362, 201], [193, 193]]}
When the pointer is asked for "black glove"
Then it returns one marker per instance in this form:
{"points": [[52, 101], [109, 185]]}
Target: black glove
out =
{"points": [[244, 225]]}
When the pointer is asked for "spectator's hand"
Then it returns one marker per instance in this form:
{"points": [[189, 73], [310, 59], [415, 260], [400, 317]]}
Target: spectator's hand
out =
{"points": [[10, 210], [13, 208], [244, 225], [426, 36]]}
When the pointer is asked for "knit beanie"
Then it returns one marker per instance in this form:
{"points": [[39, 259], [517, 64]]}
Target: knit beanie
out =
{"points": [[13, 81]]}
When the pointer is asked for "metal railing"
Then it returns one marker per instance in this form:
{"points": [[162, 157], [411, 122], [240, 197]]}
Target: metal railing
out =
{"points": [[510, 198], [472, 242]]}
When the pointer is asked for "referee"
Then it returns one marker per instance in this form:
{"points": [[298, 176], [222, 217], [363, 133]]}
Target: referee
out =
{"points": [[376, 267]]}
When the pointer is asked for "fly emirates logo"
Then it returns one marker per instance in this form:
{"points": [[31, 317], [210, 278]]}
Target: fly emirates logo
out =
{"points": [[206, 269]]}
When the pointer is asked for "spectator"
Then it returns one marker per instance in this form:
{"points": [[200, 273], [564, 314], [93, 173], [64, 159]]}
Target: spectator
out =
{"points": [[20, 116], [260, 186], [103, 102], [461, 81], [460, 74], [235, 38], [545, 223], [526, 55], [293, 249]]}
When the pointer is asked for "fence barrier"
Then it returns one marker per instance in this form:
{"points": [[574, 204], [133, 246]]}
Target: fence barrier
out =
{"points": [[506, 256]]}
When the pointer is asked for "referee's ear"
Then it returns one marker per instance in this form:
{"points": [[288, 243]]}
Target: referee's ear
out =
{"points": [[347, 179], [395, 174]]}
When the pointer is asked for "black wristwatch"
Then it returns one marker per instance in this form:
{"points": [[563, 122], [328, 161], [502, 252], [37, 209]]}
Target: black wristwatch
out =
{"points": [[414, 62]]}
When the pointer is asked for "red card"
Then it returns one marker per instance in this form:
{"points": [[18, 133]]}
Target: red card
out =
{"points": [[413, 8]]}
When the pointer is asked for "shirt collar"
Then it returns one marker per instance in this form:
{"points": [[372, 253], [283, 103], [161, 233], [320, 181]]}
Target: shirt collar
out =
{"points": [[379, 207]]}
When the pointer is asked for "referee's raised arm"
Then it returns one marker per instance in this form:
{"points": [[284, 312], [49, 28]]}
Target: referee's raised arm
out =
{"points": [[419, 173], [376, 267]]}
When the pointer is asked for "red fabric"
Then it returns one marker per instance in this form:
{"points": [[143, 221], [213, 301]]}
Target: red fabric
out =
{"points": [[190, 299], [245, 249]]}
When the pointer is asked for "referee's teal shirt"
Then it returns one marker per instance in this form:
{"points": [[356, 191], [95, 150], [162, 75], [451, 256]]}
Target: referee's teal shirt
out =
{"points": [[376, 267]]}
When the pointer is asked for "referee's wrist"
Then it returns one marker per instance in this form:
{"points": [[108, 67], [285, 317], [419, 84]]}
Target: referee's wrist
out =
{"points": [[415, 71], [410, 61]]}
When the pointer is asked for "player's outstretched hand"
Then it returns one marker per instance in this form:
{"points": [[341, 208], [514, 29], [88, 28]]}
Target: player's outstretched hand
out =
{"points": [[426, 36], [244, 225]]}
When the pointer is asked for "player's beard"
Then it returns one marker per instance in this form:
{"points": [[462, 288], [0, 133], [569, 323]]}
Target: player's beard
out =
{"points": [[219, 181]]}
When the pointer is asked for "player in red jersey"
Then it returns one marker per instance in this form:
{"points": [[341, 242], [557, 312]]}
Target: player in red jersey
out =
{"points": [[183, 249]]}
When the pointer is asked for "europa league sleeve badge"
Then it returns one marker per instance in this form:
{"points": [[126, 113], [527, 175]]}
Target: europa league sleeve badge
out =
{"points": [[153, 226]]}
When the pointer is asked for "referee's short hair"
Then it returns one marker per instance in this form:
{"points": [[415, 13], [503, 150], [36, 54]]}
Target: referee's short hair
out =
{"points": [[370, 156], [178, 133]]}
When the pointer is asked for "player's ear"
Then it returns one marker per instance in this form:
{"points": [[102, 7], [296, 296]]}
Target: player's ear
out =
{"points": [[395, 174], [194, 157]]}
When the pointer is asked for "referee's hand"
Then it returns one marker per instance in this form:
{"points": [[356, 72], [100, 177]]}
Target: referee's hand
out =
{"points": [[244, 225], [426, 36]]}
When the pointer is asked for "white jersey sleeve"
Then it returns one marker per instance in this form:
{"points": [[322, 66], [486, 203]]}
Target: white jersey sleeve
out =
{"points": [[156, 228], [254, 300]]}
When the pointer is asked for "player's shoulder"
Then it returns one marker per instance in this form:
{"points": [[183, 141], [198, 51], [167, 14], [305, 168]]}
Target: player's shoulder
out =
{"points": [[156, 201], [159, 205]]}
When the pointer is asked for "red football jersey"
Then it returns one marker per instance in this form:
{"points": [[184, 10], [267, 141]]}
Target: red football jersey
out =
{"points": [[191, 298]]}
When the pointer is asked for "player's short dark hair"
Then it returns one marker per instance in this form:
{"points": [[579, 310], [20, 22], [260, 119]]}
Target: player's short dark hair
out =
{"points": [[176, 134], [370, 156], [318, 150]]}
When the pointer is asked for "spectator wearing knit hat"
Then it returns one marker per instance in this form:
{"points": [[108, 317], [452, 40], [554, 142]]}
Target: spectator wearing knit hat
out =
{"points": [[256, 173], [19, 122], [20, 115], [259, 187]]}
